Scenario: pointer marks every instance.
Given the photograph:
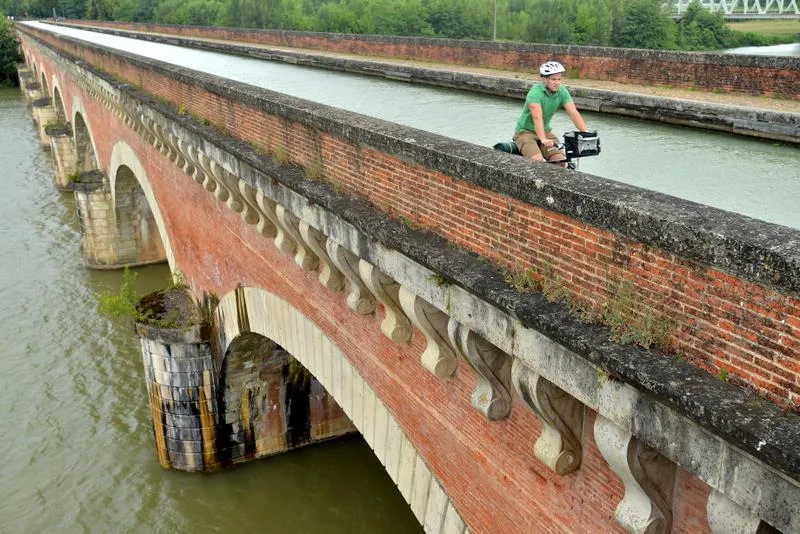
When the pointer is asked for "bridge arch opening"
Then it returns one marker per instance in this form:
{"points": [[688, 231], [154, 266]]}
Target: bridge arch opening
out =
{"points": [[138, 233], [45, 90], [84, 148], [129, 184], [247, 312], [276, 401], [58, 103]]}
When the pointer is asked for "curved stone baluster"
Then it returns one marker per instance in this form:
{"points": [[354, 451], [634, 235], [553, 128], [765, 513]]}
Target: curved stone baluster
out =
{"points": [[210, 183], [395, 325], [199, 175], [250, 212], [267, 208], [438, 357], [727, 517], [175, 155], [492, 394], [161, 147], [290, 225], [230, 184], [188, 166], [648, 476], [329, 275], [148, 134], [360, 298], [559, 446]]}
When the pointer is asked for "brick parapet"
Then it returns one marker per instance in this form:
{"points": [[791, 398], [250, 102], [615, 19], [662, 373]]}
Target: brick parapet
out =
{"points": [[762, 75]]}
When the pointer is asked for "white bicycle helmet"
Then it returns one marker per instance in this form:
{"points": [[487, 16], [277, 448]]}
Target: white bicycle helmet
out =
{"points": [[551, 67]]}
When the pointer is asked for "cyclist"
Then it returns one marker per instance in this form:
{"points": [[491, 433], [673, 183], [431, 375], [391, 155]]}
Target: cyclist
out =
{"points": [[533, 136]]}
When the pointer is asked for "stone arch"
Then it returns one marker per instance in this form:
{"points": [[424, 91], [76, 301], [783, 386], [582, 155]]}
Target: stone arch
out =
{"points": [[58, 101], [257, 311], [45, 87], [85, 152], [137, 217], [270, 403]]}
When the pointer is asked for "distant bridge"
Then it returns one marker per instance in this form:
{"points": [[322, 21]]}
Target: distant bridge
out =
{"points": [[743, 9]]}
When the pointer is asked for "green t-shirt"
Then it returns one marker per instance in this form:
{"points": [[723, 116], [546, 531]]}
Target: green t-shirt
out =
{"points": [[550, 104]]}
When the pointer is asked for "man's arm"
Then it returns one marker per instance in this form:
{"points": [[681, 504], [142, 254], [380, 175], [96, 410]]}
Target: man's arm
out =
{"points": [[574, 115], [538, 124]]}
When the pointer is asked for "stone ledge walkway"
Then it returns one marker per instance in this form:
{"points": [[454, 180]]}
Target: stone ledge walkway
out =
{"points": [[729, 99]]}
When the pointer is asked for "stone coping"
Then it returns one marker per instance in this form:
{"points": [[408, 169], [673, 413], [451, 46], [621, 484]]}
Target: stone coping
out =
{"points": [[755, 426], [754, 250], [703, 58]]}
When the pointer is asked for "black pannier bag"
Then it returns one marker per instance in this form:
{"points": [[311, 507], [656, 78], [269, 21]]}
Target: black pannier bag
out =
{"points": [[510, 147], [581, 144]]}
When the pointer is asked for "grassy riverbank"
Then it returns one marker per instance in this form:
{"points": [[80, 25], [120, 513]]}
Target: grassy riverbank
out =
{"points": [[779, 31]]}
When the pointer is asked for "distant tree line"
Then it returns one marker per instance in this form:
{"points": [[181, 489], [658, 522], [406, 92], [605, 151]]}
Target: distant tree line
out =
{"points": [[9, 53], [619, 23]]}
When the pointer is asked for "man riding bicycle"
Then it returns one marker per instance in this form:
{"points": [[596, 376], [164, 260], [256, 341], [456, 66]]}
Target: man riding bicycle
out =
{"points": [[534, 136]]}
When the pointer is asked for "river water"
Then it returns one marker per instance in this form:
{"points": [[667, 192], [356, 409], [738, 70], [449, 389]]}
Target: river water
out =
{"points": [[78, 451], [754, 177]]}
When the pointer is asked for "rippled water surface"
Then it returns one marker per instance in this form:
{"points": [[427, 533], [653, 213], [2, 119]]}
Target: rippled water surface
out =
{"points": [[78, 451], [754, 177]]}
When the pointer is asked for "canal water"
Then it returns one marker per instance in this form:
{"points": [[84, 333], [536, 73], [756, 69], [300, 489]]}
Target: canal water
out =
{"points": [[78, 451], [754, 177], [791, 50]]}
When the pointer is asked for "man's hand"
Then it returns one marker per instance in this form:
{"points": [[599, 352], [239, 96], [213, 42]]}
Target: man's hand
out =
{"points": [[547, 142]]}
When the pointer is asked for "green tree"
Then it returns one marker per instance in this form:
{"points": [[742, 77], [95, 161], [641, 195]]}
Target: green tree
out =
{"points": [[399, 17], [461, 19], [552, 22], [192, 12], [593, 22], [700, 29], [125, 10], [9, 53], [644, 24]]}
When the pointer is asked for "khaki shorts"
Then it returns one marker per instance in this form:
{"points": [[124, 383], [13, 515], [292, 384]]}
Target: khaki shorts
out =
{"points": [[529, 146]]}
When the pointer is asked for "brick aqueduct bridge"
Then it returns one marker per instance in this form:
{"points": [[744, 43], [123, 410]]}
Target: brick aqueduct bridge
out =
{"points": [[445, 299]]}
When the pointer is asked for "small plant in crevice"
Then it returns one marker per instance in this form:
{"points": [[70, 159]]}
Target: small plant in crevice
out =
{"points": [[75, 178], [553, 287], [440, 280], [408, 223], [175, 281], [123, 303], [522, 279], [316, 171], [280, 155], [723, 375], [630, 322], [127, 303]]}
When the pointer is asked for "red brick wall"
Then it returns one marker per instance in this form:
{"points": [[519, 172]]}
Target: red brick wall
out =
{"points": [[708, 72], [720, 321]]}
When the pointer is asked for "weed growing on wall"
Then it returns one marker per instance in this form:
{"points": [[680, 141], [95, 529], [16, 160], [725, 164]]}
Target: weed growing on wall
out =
{"points": [[127, 303]]}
